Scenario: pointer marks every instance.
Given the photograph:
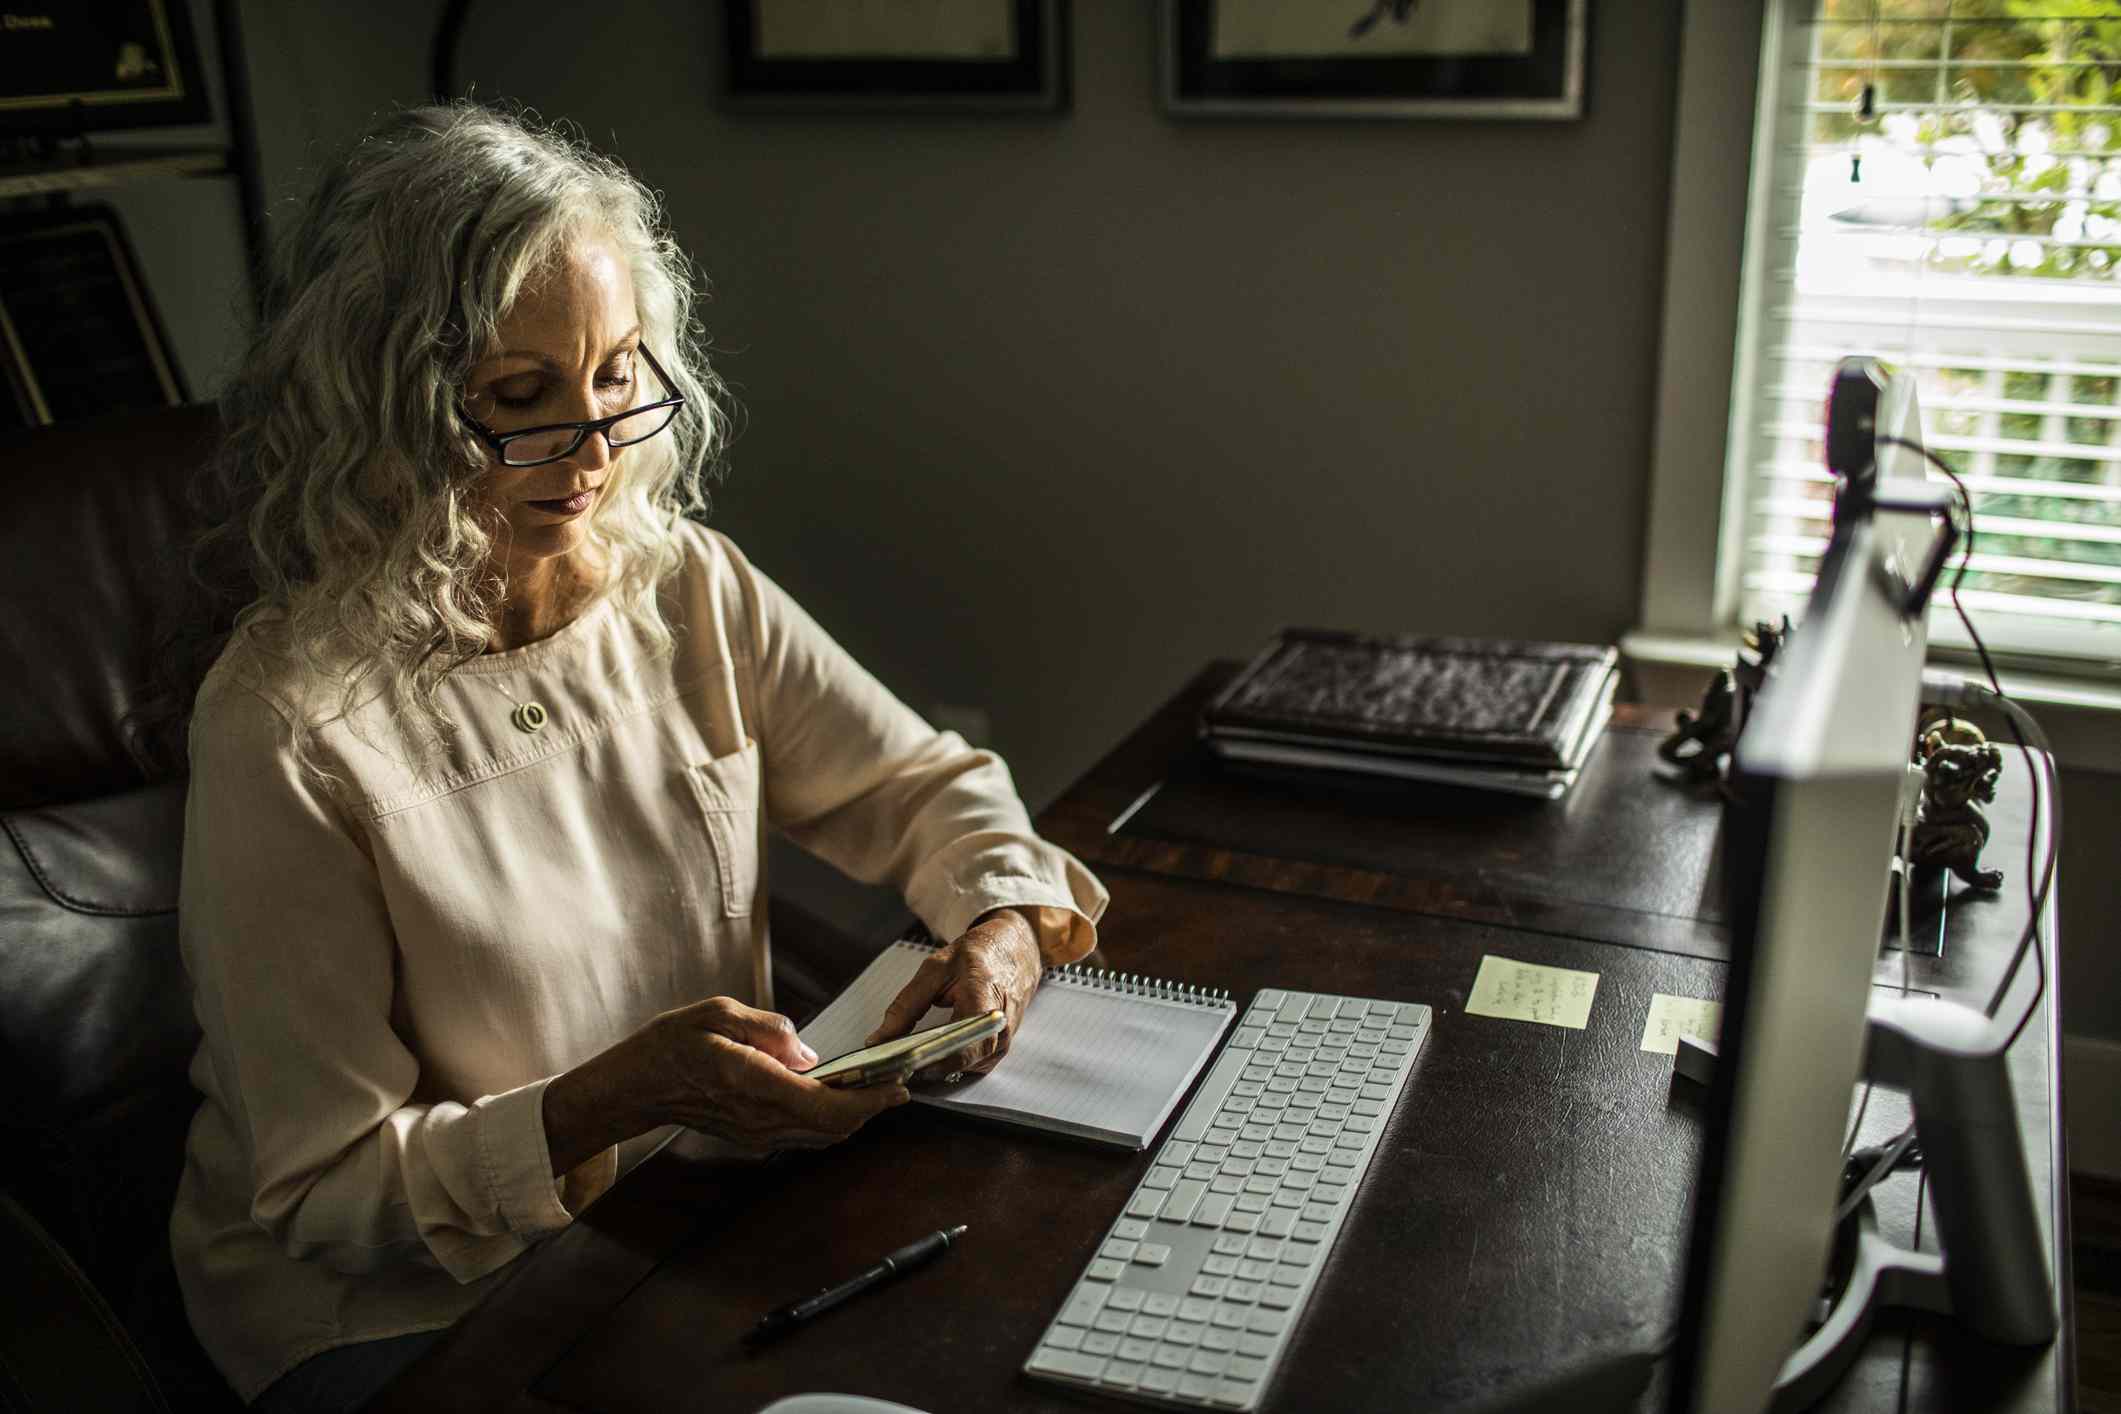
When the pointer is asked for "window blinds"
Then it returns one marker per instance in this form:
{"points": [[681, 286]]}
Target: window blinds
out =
{"points": [[1938, 183]]}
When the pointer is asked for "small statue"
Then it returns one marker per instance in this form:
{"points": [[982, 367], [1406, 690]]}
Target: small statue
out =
{"points": [[1762, 642], [1705, 739], [1960, 768], [1710, 733]]}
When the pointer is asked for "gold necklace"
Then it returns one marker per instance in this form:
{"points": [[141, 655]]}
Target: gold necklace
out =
{"points": [[529, 717]]}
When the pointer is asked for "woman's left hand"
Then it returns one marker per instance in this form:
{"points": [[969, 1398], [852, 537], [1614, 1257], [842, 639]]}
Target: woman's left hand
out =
{"points": [[994, 966]]}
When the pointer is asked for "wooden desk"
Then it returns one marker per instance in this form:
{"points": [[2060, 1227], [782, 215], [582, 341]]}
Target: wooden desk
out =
{"points": [[1527, 1208]]}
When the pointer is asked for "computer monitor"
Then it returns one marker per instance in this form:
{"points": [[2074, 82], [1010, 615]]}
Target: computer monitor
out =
{"points": [[1809, 843]]}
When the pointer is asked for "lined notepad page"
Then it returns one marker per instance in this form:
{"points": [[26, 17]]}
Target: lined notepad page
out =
{"points": [[1096, 1056]]}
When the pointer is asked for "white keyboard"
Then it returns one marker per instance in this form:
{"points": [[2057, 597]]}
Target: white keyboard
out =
{"points": [[1192, 1296]]}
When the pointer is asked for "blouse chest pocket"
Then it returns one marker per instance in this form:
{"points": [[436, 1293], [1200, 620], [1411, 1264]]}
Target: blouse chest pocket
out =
{"points": [[726, 790]]}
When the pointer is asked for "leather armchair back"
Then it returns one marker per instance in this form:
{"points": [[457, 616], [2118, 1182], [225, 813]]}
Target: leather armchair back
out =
{"points": [[96, 1025]]}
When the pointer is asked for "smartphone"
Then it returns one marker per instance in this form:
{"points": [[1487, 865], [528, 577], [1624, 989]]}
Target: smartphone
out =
{"points": [[895, 1060]]}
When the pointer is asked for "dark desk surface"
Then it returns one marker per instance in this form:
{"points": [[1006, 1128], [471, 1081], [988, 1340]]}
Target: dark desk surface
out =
{"points": [[1527, 1208]]}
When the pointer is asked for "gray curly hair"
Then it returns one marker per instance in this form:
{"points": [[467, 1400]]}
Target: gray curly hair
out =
{"points": [[343, 520]]}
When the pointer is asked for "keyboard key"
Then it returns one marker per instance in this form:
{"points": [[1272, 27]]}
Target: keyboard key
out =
{"points": [[1078, 1313], [1216, 1338], [1250, 1203], [1243, 1293], [1267, 1322], [1214, 1208], [1118, 1249], [1209, 1286], [1159, 1381], [1146, 1202], [1230, 1245], [1161, 1303], [1121, 1374], [1278, 1298], [1232, 1394], [1101, 1343], [1217, 1265], [1259, 1347], [1242, 1222], [1185, 1197], [1286, 1275], [1294, 1007], [1162, 1176], [1183, 1333], [1208, 1362], [1221, 1076], [1279, 1223], [1066, 1337], [1130, 1228], [1153, 1254], [1200, 1387], [1071, 1363], [1301, 1253], [1104, 1269], [1125, 1298], [1136, 1349], [1170, 1357], [1112, 1323], [1247, 1366], [1149, 1327]]}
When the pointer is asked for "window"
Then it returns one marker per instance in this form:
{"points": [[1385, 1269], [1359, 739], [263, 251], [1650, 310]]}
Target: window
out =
{"points": [[1938, 183]]}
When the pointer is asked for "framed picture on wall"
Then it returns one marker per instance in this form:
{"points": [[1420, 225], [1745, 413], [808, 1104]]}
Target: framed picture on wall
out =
{"points": [[70, 66], [1514, 59], [79, 337], [865, 55]]}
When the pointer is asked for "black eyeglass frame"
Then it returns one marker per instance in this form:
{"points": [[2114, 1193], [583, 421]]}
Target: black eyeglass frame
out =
{"points": [[499, 440]]}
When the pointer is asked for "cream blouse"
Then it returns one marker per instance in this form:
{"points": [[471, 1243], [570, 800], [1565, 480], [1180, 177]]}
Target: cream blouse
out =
{"points": [[389, 971]]}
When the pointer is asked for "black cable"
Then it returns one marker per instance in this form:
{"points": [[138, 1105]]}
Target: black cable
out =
{"points": [[2036, 898]]}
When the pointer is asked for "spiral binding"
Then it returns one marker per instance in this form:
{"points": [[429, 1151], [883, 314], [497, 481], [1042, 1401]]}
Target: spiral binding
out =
{"points": [[1132, 984]]}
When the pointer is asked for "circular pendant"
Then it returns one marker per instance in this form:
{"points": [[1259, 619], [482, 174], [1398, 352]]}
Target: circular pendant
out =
{"points": [[528, 717]]}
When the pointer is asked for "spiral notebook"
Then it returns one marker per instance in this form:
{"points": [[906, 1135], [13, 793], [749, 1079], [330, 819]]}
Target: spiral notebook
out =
{"points": [[1100, 1055]]}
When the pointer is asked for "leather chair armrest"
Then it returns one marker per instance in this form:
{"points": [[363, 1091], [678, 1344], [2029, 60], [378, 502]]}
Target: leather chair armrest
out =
{"points": [[61, 1348]]}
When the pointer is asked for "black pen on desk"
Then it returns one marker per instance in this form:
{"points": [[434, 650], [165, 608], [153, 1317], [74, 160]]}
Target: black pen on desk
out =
{"points": [[913, 1255]]}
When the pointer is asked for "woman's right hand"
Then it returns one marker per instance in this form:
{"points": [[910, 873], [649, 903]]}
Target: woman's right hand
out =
{"points": [[734, 1071], [721, 1067]]}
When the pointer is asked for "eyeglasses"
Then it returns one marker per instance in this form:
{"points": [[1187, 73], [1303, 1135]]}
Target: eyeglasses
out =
{"points": [[535, 446]]}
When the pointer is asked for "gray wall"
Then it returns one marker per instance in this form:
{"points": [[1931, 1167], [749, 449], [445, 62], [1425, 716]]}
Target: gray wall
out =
{"points": [[1043, 413]]}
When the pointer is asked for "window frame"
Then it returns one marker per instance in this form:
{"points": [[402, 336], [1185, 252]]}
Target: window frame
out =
{"points": [[1687, 618]]}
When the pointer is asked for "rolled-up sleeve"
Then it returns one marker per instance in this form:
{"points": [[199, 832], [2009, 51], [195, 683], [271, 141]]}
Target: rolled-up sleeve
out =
{"points": [[288, 940], [856, 777]]}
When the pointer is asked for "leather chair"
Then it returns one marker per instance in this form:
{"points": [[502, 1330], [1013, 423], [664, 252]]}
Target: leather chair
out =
{"points": [[96, 1023], [96, 1027]]}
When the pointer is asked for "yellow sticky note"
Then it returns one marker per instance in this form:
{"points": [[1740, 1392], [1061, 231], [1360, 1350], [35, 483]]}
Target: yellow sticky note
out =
{"points": [[1525, 991], [1672, 1017]]}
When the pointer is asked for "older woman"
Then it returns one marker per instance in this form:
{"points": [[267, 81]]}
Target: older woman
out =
{"points": [[472, 899]]}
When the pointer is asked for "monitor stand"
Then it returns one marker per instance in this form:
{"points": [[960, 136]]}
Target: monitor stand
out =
{"points": [[1992, 1276]]}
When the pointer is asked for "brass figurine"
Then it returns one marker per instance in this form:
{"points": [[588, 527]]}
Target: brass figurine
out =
{"points": [[1704, 739], [1960, 768]]}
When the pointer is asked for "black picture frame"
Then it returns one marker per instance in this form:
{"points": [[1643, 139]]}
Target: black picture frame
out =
{"points": [[79, 334], [1338, 80], [75, 66], [1031, 76]]}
